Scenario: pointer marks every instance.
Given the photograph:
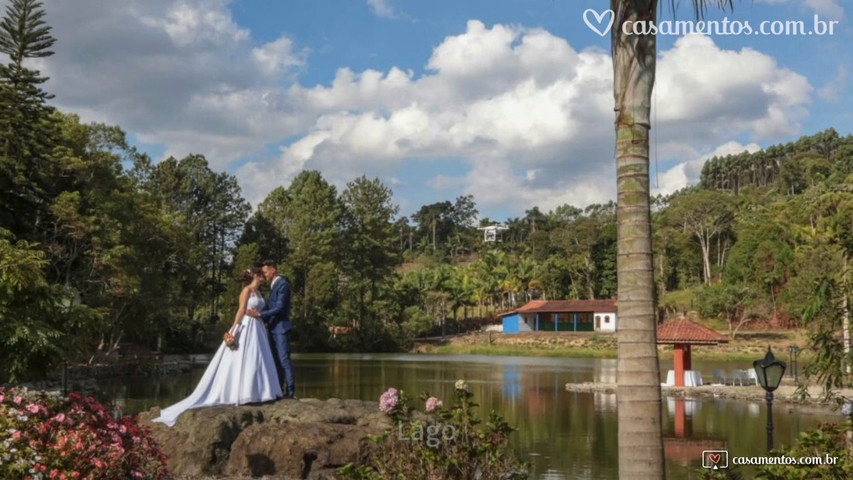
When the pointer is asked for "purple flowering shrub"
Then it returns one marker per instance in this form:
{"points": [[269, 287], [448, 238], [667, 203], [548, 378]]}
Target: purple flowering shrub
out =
{"points": [[442, 443], [45, 436]]}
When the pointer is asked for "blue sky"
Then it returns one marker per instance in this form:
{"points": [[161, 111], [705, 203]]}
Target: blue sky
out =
{"points": [[508, 100]]}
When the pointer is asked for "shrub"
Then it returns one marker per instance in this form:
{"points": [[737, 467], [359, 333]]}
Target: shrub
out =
{"points": [[829, 440], [443, 443], [45, 436]]}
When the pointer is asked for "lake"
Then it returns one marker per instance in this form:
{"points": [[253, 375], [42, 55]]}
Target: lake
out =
{"points": [[564, 435]]}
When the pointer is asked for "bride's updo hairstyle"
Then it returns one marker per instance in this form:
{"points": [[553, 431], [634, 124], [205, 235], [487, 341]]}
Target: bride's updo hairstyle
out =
{"points": [[247, 275]]}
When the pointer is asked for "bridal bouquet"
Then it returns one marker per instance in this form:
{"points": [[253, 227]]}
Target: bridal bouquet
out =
{"points": [[231, 341]]}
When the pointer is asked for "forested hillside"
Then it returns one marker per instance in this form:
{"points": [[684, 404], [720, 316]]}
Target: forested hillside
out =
{"points": [[101, 246]]}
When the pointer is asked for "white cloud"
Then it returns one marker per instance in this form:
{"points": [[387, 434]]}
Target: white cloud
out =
{"points": [[828, 8], [833, 89], [728, 91], [277, 57], [205, 22], [531, 133], [689, 172], [382, 8], [529, 117], [181, 73]]}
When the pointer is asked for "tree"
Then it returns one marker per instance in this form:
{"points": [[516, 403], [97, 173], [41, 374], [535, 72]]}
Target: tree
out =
{"points": [[310, 213], [762, 256], [28, 338], [210, 206], [708, 216], [435, 223], [463, 218], [371, 238], [26, 126], [730, 300], [639, 401]]}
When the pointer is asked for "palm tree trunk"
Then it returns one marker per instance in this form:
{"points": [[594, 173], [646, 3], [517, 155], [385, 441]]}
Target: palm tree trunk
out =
{"points": [[845, 318], [638, 372]]}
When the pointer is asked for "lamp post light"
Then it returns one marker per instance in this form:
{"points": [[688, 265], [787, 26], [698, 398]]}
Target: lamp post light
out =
{"points": [[793, 351], [769, 372]]}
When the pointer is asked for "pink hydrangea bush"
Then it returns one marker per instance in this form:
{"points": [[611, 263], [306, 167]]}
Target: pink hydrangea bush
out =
{"points": [[432, 404], [389, 401], [45, 436], [445, 442]]}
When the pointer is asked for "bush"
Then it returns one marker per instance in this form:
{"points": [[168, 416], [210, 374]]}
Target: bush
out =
{"points": [[829, 440], [46, 436], [443, 443]]}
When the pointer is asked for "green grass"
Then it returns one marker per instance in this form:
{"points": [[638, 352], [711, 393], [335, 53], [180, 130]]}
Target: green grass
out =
{"points": [[514, 351]]}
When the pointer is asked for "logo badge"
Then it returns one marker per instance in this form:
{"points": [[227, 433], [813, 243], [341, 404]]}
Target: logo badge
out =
{"points": [[599, 19], [715, 459]]}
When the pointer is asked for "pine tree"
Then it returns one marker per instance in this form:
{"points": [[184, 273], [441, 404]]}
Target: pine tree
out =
{"points": [[27, 128]]}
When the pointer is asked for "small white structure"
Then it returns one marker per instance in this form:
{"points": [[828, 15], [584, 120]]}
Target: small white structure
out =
{"points": [[490, 233], [562, 316], [605, 321]]}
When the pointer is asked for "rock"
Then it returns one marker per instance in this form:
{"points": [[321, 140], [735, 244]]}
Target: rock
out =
{"points": [[307, 439], [296, 450]]}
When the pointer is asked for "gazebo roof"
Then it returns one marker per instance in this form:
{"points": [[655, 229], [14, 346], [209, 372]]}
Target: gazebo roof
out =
{"points": [[682, 330]]}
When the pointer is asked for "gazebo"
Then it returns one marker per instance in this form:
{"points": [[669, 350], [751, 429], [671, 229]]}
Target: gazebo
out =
{"points": [[683, 334], [684, 447]]}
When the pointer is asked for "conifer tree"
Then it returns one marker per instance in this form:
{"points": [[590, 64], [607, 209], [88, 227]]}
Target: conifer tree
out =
{"points": [[27, 128]]}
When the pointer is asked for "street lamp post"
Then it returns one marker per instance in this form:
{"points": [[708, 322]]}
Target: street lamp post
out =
{"points": [[769, 372], [793, 351]]}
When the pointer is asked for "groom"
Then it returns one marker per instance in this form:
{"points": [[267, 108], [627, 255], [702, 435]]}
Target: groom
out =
{"points": [[276, 316]]}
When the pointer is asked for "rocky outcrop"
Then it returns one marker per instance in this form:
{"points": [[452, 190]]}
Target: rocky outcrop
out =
{"points": [[287, 439]]}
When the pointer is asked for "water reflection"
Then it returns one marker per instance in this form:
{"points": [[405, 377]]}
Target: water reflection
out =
{"points": [[563, 434]]}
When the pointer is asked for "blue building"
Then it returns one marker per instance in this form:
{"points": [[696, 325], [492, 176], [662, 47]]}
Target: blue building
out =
{"points": [[562, 316]]}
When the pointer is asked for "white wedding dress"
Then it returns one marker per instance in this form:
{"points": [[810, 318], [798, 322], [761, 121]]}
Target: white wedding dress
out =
{"points": [[235, 377]]}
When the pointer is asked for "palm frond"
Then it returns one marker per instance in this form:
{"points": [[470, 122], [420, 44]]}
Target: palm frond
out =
{"points": [[700, 7]]}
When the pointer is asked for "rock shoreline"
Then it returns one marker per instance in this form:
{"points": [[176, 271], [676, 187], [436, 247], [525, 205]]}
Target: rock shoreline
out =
{"points": [[784, 395], [286, 439]]}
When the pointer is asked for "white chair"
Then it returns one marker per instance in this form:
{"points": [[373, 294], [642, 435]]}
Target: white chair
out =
{"points": [[737, 377], [751, 376], [720, 377], [670, 378], [692, 378]]}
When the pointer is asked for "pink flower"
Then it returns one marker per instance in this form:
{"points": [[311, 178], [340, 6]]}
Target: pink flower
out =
{"points": [[60, 418], [33, 408], [389, 400], [18, 400], [2, 397], [432, 403]]}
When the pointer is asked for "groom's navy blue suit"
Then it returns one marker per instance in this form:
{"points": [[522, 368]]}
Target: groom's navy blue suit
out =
{"points": [[277, 318]]}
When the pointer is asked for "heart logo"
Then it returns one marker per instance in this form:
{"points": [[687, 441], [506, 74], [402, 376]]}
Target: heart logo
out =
{"points": [[599, 18], [714, 458]]}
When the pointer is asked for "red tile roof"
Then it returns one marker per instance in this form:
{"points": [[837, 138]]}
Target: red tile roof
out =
{"points": [[682, 330], [565, 306]]}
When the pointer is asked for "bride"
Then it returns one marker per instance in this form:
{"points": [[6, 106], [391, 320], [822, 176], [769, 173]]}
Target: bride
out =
{"points": [[245, 374]]}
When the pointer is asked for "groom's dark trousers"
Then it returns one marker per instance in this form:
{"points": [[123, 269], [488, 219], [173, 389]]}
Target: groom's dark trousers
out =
{"points": [[277, 318]]}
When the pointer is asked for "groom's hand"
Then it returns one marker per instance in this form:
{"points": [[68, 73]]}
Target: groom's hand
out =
{"points": [[253, 313]]}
